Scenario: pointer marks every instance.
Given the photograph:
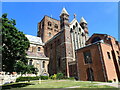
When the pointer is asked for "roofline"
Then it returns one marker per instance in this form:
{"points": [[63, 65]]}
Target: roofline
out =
{"points": [[54, 37], [96, 43], [49, 17], [38, 58], [96, 34]]}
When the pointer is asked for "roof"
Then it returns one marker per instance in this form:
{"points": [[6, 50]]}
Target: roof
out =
{"points": [[34, 39], [64, 12], [83, 20], [37, 55]]}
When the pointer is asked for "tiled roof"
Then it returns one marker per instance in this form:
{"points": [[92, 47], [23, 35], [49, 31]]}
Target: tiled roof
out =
{"points": [[38, 54], [34, 39]]}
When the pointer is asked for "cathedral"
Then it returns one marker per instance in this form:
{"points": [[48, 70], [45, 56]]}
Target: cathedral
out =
{"points": [[69, 50]]}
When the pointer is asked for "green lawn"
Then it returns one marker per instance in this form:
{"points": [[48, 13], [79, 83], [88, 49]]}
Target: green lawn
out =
{"points": [[57, 84]]}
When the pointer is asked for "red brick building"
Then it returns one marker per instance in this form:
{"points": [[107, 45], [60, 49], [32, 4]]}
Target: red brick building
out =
{"points": [[99, 60], [72, 52]]}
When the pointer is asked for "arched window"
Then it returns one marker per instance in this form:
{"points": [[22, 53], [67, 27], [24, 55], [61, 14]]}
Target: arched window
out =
{"points": [[73, 26], [49, 24], [71, 30], [38, 49], [30, 63], [59, 63], [49, 34], [76, 24], [79, 29], [43, 64], [95, 39], [90, 75], [56, 26]]}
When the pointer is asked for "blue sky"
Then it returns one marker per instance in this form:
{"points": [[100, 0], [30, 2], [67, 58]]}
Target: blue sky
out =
{"points": [[102, 17]]}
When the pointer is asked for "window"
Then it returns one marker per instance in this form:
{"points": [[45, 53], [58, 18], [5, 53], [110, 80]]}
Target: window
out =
{"points": [[71, 30], [30, 63], [73, 27], [117, 52], [119, 59], [87, 57], [49, 24], [108, 55], [51, 46], [49, 34], [79, 30], [43, 65], [38, 48], [42, 24], [59, 63], [76, 24], [82, 34], [56, 26]]}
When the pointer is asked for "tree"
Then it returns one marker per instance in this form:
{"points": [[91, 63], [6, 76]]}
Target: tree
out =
{"points": [[20, 67], [14, 45]]}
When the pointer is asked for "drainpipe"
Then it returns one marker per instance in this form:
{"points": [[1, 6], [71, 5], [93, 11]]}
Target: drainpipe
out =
{"points": [[103, 68]]}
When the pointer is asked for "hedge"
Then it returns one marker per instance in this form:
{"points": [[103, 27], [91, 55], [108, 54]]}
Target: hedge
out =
{"points": [[31, 78]]}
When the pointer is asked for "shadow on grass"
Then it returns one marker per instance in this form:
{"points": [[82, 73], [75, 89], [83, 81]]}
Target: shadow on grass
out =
{"points": [[15, 85]]}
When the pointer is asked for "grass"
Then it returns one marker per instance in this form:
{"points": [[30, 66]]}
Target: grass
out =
{"points": [[55, 84]]}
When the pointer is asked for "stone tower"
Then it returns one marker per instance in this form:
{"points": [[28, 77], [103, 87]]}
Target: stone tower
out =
{"points": [[47, 28], [67, 56], [84, 26]]}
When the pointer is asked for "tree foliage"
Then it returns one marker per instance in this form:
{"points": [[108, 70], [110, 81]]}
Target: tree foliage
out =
{"points": [[14, 44], [20, 67]]}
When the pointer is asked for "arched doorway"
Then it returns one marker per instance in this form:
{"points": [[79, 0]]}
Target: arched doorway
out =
{"points": [[90, 75]]}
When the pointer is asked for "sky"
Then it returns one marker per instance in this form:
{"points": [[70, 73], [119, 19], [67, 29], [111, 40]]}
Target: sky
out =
{"points": [[102, 17]]}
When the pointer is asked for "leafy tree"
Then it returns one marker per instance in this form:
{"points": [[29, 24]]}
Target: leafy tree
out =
{"points": [[22, 68], [14, 45]]}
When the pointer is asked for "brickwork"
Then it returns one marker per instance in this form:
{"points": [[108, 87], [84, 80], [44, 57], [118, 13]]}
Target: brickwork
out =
{"points": [[47, 28], [104, 64]]}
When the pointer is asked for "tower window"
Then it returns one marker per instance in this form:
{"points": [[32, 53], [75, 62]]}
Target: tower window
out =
{"points": [[38, 48], [49, 24], [108, 55], [42, 24], [49, 34], [87, 57], [56, 26]]}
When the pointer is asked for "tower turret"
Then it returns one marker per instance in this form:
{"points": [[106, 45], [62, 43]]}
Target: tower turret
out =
{"points": [[64, 19], [83, 24]]}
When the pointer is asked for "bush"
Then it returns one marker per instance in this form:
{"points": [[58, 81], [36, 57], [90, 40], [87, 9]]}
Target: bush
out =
{"points": [[31, 78], [53, 77], [44, 77], [110, 81], [59, 76], [71, 78]]}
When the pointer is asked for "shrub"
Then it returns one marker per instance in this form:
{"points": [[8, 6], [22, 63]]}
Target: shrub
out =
{"points": [[110, 81], [31, 78], [44, 77], [59, 76], [71, 78], [53, 77]]}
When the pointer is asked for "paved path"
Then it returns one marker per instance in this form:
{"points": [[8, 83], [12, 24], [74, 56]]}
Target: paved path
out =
{"points": [[110, 84]]}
